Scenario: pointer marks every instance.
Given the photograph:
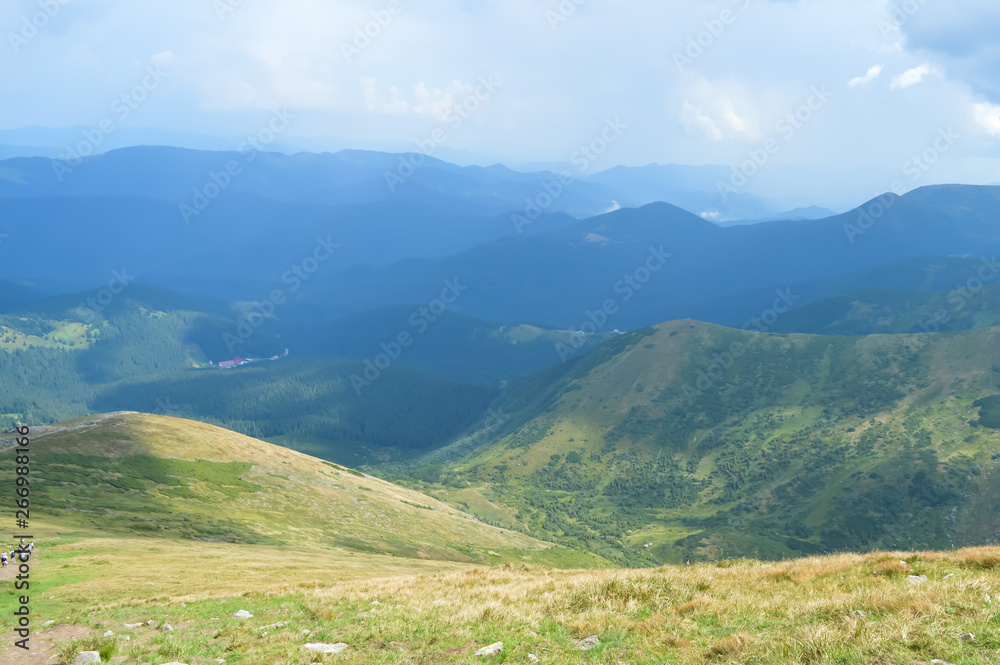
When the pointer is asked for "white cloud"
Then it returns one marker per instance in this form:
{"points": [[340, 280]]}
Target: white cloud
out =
{"points": [[696, 122], [988, 117], [162, 59], [395, 105], [912, 77], [869, 76], [425, 102]]}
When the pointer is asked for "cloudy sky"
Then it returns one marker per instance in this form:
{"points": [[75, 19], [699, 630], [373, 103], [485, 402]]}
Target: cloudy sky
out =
{"points": [[854, 86]]}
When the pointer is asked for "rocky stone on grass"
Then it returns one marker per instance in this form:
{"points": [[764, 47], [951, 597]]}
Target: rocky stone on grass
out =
{"points": [[491, 650], [167, 627], [916, 579], [587, 643], [242, 614], [319, 647], [47, 623], [108, 633], [85, 657], [967, 637], [860, 614], [533, 658], [134, 625], [280, 624]]}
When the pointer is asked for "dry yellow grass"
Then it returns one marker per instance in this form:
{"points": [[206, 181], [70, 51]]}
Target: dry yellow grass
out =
{"points": [[839, 609], [786, 612]]}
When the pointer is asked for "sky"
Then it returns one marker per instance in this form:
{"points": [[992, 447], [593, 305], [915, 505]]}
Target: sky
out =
{"points": [[853, 90]]}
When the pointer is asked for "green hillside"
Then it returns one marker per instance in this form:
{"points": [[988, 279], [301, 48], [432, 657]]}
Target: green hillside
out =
{"points": [[137, 475], [710, 442]]}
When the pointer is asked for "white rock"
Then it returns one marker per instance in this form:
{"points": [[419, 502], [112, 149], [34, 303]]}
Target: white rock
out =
{"points": [[967, 637], [167, 627], [588, 643], [916, 579], [533, 658], [305, 631], [133, 625], [860, 614], [280, 624], [492, 649], [242, 614], [326, 648], [47, 623], [87, 657], [108, 634]]}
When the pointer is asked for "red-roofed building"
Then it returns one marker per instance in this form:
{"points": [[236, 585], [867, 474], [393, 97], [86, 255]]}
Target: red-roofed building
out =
{"points": [[226, 364]]}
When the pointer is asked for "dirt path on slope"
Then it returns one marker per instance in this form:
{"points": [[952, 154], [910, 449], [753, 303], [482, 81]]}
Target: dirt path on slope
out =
{"points": [[43, 642]]}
